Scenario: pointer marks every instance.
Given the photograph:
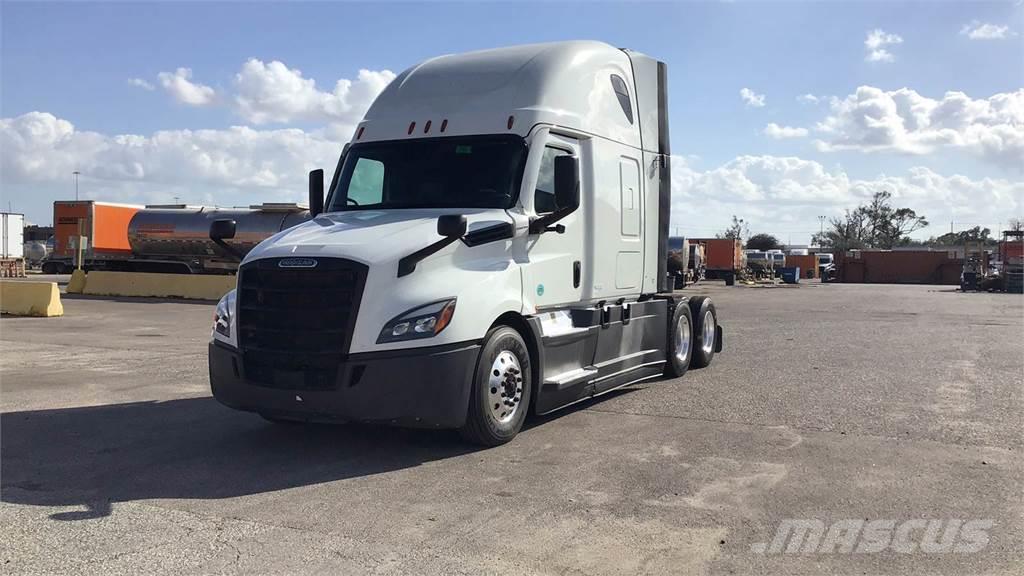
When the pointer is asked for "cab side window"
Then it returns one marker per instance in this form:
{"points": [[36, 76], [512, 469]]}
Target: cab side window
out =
{"points": [[544, 196]]}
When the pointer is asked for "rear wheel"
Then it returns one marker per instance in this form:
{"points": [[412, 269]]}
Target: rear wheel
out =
{"points": [[680, 342], [500, 393], [730, 279], [705, 324]]}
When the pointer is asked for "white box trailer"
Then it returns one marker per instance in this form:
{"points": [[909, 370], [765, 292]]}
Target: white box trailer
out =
{"points": [[13, 235], [12, 244], [494, 240]]}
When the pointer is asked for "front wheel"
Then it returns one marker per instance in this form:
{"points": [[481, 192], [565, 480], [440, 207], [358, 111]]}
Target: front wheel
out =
{"points": [[500, 395]]}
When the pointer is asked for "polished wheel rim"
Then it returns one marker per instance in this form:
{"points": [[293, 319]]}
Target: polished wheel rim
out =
{"points": [[682, 339], [709, 332], [505, 386]]}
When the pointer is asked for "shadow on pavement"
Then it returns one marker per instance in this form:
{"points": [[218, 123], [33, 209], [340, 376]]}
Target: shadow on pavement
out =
{"points": [[138, 299], [192, 449]]}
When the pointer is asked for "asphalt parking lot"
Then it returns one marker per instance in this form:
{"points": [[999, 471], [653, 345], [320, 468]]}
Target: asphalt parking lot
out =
{"points": [[830, 402]]}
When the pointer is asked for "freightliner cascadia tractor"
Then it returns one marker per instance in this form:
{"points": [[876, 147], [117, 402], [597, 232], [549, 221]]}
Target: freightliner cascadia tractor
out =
{"points": [[493, 242]]}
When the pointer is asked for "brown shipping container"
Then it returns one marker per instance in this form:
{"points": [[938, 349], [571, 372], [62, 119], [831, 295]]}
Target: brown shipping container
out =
{"points": [[808, 265], [722, 253], [104, 224], [899, 267]]}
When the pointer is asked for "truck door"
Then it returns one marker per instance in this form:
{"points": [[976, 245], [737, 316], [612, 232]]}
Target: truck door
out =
{"points": [[629, 260], [554, 270]]}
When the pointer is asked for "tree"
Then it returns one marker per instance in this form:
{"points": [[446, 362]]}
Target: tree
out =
{"points": [[873, 225], [763, 242], [736, 231], [976, 234], [847, 233]]}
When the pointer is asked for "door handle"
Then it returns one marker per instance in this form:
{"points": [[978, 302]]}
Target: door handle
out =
{"points": [[576, 274]]}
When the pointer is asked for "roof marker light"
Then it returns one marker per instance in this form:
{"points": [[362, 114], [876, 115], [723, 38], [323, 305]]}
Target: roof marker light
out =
{"points": [[412, 126], [426, 127], [511, 121], [444, 124]]}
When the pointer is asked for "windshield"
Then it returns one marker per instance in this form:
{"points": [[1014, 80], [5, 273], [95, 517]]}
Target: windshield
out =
{"points": [[460, 172], [825, 258]]}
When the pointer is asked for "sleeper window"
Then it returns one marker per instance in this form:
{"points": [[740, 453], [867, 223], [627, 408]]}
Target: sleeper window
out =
{"points": [[622, 93]]}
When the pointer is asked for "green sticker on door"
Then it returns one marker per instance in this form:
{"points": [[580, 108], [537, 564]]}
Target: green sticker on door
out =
{"points": [[540, 289]]}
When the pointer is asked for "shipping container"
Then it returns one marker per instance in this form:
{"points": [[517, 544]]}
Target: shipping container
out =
{"points": [[723, 258], [808, 265], [13, 235], [12, 250], [102, 225], [900, 267]]}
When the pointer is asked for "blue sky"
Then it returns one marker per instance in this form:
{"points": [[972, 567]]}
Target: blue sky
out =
{"points": [[73, 62]]}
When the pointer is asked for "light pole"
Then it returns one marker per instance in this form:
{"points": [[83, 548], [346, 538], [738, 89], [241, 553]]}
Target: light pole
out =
{"points": [[821, 226], [76, 173]]}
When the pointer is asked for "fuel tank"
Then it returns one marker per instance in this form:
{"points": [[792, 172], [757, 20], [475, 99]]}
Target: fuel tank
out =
{"points": [[184, 231]]}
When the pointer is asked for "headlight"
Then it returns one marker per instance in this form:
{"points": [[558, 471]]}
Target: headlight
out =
{"points": [[423, 322], [223, 317]]}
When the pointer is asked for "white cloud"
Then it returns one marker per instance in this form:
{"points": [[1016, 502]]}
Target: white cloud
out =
{"points": [[782, 195], [808, 99], [984, 31], [751, 98], [773, 130], [272, 92], [235, 166], [180, 86], [902, 120], [140, 83], [875, 44]]}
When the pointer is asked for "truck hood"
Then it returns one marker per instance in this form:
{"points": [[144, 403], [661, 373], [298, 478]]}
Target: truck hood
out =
{"points": [[368, 236]]}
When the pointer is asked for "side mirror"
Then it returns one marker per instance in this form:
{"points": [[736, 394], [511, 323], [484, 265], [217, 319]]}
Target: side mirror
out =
{"points": [[222, 230], [316, 192], [451, 225], [567, 183]]}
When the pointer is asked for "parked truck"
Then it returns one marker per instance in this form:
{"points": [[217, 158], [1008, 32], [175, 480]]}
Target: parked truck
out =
{"points": [[493, 241]]}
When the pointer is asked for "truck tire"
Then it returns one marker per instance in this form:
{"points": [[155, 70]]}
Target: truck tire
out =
{"points": [[51, 268], [705, 325], [679, 344], [500, 394], [730, 278]]}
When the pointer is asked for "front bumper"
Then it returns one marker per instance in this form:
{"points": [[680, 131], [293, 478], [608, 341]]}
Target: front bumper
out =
{"points": [[421, 387]]}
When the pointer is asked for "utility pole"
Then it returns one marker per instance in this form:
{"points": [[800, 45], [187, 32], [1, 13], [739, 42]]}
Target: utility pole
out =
{"points": [[76, 173], [821, 226]]}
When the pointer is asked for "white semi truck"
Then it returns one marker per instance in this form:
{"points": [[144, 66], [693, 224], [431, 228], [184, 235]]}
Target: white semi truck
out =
{"points": [[494, 241]]}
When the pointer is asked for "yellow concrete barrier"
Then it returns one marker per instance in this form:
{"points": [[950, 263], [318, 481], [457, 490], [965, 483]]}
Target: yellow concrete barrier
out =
{"points": [[77, 283], [30, 298], [148, 284]]}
